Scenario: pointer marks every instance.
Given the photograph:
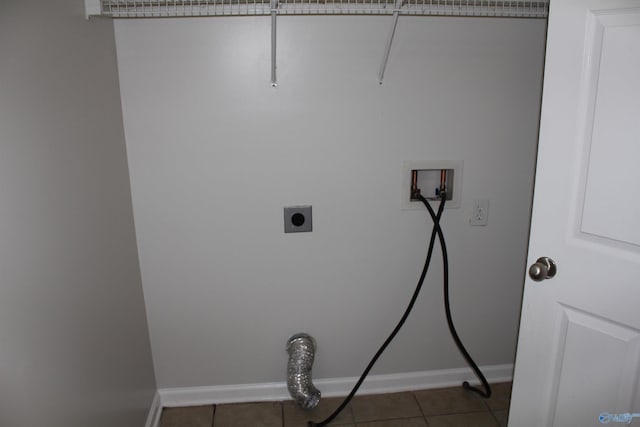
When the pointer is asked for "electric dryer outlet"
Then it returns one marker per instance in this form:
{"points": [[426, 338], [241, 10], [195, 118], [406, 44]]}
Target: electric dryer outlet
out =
{"points": [[297, 219]]}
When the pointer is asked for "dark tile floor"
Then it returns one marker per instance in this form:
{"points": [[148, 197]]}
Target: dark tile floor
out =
{"points": [[448, 407]]}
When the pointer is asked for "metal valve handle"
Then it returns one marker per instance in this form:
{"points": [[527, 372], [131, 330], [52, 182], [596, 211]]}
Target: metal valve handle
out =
{"points": [[544, 268]]}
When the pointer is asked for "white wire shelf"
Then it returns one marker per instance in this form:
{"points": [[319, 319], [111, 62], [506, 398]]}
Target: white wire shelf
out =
{"points": [[194, 8]]}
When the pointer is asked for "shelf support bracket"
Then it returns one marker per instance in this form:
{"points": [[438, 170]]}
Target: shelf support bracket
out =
{"points": [[396, 14], [274, 14], [91, 8]]}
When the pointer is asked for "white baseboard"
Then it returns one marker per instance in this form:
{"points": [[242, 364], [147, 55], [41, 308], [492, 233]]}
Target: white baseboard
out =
{"points": [[153, 419], [374, 384]]}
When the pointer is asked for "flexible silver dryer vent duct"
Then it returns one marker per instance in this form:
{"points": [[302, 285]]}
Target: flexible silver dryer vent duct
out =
{"points": [[301, 349]]}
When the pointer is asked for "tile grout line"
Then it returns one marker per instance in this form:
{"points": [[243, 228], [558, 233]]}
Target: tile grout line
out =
{"points": [[424, 417], [282, 413], [495, 419], [485, 402]]}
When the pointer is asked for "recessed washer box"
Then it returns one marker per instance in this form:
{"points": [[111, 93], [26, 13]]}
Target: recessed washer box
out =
{"points": [[428, 177], [297, 219]]}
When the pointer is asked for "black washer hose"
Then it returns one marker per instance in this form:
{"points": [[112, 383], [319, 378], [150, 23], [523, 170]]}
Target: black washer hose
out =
{"points": [[435, 231], [447, 308]]}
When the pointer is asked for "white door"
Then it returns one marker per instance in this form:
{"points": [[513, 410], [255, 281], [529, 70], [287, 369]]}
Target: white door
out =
{"points": [[578, 356]]}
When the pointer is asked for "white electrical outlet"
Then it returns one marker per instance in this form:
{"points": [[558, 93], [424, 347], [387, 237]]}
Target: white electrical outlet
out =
{"points": [[480, 212]]}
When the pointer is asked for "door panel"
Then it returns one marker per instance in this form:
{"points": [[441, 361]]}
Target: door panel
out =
{"points": [[585, 340], [611, 93]]}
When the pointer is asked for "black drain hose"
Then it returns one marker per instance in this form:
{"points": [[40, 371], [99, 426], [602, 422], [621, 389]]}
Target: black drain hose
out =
{"points": [[447, 308], [445, 260]]}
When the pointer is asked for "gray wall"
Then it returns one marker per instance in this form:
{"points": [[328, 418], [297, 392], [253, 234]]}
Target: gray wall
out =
{"points": [[215, 153], [74, 346]]}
